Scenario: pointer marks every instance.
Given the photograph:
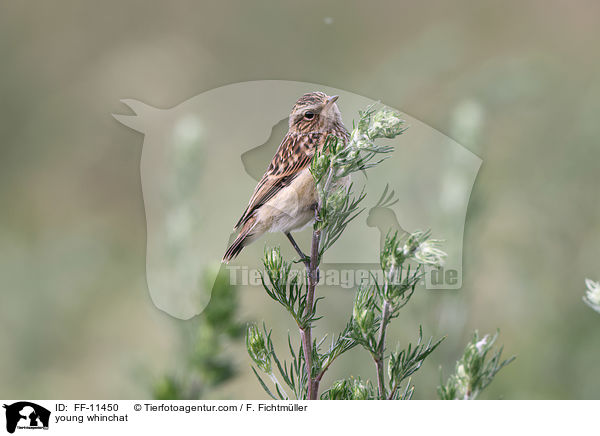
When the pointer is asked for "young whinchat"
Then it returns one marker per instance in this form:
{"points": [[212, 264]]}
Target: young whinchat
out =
{"points": [[285, 198]]}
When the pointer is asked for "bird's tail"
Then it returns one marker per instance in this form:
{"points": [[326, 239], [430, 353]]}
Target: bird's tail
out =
{"points": [[245, 237]]}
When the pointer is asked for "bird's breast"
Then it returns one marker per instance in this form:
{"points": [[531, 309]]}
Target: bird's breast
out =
{"points": [[292, 207]]}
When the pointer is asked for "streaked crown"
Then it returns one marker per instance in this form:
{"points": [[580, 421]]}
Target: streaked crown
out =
{"points": [[315, 112]]}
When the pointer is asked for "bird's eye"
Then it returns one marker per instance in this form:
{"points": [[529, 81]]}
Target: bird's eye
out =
{"points": [[309, 115]]}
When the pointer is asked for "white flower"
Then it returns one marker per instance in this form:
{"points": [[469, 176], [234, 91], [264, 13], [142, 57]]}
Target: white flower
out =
{"points": [[593, 291], [482, 343], [429, 252], [422, 249], [360, 139], [592, 294], [386, 124]]}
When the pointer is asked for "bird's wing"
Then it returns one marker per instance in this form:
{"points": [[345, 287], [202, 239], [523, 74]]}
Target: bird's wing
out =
{"points": [[293, 155]]}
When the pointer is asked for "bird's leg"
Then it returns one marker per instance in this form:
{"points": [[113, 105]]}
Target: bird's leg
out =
{"points": [[303, 257]]}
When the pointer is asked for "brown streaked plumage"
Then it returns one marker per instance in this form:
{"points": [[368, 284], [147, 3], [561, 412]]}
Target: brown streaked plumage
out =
{"points": [[285, 197]]}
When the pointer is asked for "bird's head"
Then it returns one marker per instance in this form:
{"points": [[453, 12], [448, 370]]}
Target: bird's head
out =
{"points": [[315, 112]]}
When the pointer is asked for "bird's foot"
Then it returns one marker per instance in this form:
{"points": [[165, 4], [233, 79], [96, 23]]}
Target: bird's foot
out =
{"points": [[303, 257]]}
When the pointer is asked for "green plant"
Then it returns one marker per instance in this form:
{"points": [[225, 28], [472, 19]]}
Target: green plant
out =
{"points": [[473, 373], [206, 365], [402, 262]]}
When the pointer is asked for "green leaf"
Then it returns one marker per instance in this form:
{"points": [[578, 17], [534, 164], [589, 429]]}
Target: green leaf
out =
{"points": [[262, 383]]}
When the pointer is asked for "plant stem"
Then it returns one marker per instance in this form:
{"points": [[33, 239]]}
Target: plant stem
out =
{"points": [[313, 279], [306, 333], [313, 276], [385, 317]]}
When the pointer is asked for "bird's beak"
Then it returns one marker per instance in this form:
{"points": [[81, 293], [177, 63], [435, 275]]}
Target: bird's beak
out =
{"points": [[332, 100], [329, 104]]}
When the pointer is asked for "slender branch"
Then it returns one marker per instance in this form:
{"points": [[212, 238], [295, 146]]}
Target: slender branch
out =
{"points": [[323, 371], [380, 377], [306, 337], [385, 318], [395, 389], [313, 277], [306, 333]]}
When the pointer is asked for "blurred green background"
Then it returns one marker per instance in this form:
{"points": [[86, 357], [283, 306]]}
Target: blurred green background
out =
{"points": [[75, 315]]}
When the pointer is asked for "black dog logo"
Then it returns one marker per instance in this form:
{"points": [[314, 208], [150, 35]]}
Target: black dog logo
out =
{"points": [[26, 415]]}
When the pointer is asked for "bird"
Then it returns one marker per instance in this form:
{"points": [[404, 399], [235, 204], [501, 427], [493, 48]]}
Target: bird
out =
{"points": [[285, 198]]}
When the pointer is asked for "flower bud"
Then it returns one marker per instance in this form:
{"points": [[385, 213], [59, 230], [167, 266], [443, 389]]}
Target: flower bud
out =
{"points": [[593, 292], [322, 163], [364, 320], [339, 391], [359, 391], [386, 124], [429, 253], [257, 349], [423, 250], [351, 389], [361, 140], [273, 259], [336, 201], [363, 313], [480, 345]]}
